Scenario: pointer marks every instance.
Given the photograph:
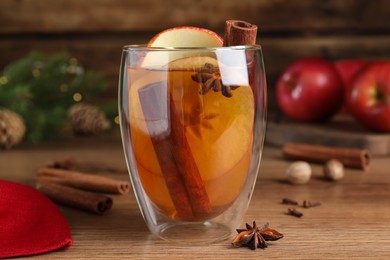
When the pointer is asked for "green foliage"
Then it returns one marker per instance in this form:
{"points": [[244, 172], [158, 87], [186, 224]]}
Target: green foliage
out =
{"points": [[42, 89]]}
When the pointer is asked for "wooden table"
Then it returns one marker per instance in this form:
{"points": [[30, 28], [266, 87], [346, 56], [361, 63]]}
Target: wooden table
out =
{"points": [[352, 222]]}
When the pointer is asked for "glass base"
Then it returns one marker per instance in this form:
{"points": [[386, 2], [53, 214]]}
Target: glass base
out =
{"points": [[194, 233]]}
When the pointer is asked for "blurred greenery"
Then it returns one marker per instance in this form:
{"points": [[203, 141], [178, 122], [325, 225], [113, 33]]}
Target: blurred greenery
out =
{"points": [[41, 89]]}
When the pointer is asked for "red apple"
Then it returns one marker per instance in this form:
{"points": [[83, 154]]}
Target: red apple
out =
{"points": [[310, 90], [368, 99], [348, 69]]}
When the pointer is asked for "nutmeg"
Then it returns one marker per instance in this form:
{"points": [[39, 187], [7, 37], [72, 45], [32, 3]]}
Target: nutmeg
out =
{"points": [[333, 170], [298, 172]]}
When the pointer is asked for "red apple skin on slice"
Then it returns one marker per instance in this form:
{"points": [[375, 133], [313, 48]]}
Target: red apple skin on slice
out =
{"points": [[178, 37], [186, 36]]}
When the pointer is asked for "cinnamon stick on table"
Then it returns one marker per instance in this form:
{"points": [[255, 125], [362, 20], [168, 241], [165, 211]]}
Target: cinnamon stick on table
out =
{"points": [[354, 158], [90, 201], [83, 181]]}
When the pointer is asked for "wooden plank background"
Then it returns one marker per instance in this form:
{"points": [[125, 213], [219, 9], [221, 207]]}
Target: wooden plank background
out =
{"points": [[94, 31]]}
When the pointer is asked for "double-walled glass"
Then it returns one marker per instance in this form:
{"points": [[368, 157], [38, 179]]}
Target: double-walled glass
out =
{"points": [[193, 125]]}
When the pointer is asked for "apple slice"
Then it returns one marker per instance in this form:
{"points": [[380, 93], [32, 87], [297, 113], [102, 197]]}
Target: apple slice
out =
{"points": [[186, 36], [192, 63], [178, 37]]}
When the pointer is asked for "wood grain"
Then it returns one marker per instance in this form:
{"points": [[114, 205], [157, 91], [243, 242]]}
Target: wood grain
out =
{"points": [[341, 131], [46, 16], [352, 222], [95, 31]]}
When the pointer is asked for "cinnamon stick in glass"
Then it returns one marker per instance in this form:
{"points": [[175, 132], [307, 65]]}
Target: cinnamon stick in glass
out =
{"points": [[181, 174], [239, 32], [83, 181], [68, 196], [353, 158]]}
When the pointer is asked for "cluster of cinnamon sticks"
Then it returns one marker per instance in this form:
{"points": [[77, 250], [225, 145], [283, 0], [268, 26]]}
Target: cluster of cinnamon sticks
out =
{"points": [[77, 189]]}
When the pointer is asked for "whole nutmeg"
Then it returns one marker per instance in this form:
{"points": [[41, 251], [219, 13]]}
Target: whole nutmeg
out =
{"points": [[333, 170], [298, 172]]}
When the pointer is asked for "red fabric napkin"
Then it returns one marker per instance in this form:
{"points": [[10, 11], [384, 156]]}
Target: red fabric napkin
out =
{"points": [[29, 222]]}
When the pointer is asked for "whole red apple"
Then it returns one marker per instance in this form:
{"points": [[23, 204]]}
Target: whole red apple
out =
{"points": [[348, 69], [368, 99], [310, 90]]}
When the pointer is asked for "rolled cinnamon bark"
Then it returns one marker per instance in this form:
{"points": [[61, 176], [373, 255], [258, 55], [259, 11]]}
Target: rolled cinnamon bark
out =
{"points": [[68, 196], [353, 158], [83, 181], [239, 33], [181, 174]]}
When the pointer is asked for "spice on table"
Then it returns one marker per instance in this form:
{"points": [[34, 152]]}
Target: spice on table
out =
{"points": [[333, 170], [83, 181], [354, 158], [288, 201], [294, 212], [90, 201], [255, 237], [65, 164], [310, 204], [298, 172]]}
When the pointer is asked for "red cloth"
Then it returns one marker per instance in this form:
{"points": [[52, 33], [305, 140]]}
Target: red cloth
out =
{"points": [[29, 222]]}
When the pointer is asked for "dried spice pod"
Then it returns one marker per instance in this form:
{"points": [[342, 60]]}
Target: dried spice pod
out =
{"points": [[294, 212], [298, 172], [333, 170], [288, 201], [255, 237], [210, 79]]}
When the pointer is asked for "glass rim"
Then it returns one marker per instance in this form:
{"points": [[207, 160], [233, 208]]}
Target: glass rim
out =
{"points": [[144, 47]]}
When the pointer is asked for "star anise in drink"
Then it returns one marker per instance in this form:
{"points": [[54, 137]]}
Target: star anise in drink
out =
{"points": [[210, 79], [255, 237]]}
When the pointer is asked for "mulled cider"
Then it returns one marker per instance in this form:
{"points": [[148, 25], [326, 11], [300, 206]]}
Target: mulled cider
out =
{"points": [[192, 136]]}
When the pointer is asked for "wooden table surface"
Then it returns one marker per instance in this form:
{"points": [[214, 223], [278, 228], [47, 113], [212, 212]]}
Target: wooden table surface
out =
{"points": [[352, 222]]}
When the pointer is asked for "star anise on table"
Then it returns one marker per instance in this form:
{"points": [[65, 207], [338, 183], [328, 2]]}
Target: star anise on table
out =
{"points": [[210, 78], [255, 237]]}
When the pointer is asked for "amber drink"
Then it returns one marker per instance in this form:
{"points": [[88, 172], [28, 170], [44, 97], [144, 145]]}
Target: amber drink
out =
{"points": [[193, 130]]}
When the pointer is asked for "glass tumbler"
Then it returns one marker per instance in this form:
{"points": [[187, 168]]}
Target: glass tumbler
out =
{"points": [[192, 125]]}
